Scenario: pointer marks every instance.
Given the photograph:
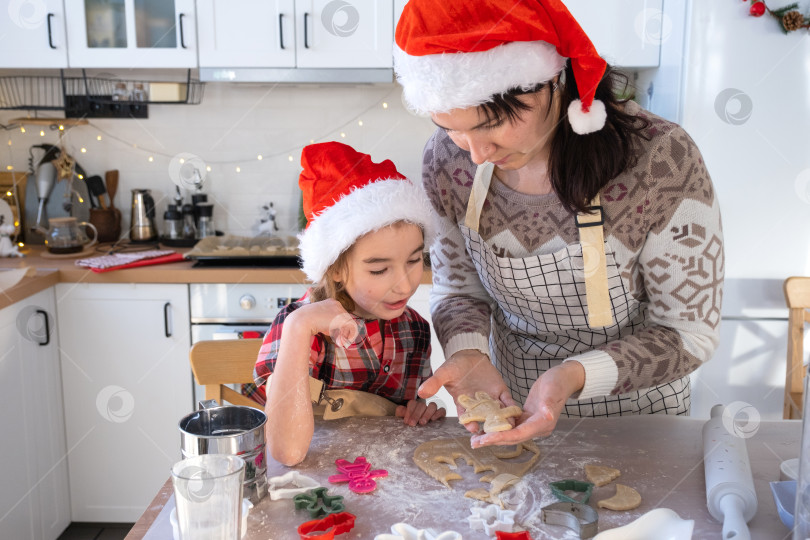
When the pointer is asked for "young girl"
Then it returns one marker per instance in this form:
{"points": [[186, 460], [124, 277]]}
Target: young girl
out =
{"points": [[362, 248]]}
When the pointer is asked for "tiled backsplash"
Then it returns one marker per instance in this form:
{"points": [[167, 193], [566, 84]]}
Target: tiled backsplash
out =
{"points": [[234, 125]]}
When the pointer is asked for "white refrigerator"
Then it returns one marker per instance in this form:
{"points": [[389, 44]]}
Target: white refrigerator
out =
{"points": [[744, 97]]}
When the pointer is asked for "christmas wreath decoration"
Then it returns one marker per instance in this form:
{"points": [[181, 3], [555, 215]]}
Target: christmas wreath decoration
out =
{"points": [[789, 17]]}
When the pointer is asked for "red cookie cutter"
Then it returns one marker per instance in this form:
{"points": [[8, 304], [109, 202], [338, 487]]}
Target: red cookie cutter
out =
{"points": [[358, 474], [522, 535], [326, 528]]}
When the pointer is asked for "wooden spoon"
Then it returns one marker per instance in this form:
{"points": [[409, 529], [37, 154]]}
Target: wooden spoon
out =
{"points": [[111, 179]]}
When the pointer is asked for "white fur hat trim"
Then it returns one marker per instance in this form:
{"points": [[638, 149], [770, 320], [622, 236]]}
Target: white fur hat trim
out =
{"points": [[361, 211], [438, 83], [587, 122]]}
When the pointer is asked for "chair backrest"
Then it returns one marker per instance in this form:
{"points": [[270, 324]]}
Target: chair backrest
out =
{"points": [[797, 296], [218, 363]]}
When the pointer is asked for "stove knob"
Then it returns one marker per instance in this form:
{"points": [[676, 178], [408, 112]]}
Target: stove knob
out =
{"points": [[247, 302]]}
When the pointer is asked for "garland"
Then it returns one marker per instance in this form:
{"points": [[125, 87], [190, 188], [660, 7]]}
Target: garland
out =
{"points": [[789, 17]]}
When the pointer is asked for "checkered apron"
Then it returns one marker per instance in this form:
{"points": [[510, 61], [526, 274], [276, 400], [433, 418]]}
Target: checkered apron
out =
{"points": [[541, 318]]}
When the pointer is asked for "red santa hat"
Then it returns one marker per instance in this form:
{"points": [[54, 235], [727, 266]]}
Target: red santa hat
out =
{"points": [[346, 195], [457, 54]]}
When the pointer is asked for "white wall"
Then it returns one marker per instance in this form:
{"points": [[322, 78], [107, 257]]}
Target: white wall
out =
{"points": [[231, 127]]}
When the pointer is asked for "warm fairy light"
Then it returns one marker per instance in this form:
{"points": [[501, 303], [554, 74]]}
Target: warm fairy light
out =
{"points": [[8, 194], [182, 161], [385, 105], [20, 244], [84, 150], [151, 159], [16, 223], [61, 127], [238, 169], [343, 135], [80, 199], [259, 157], [80, 176], [98, 137], [22, 129], [9, 142], [41, 133], [208, 168], [312, 141], [9, 168], [360, 123], [290, 158]]}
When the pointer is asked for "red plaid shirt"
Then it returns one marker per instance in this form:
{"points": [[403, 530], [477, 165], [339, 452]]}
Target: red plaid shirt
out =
{"points": [[405, 362]]}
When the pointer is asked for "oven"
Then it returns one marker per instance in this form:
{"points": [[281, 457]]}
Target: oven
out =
{"points": [[236, 311]]}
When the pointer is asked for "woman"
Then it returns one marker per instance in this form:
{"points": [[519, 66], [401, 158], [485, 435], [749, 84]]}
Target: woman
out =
{"points": [[579, 264]]}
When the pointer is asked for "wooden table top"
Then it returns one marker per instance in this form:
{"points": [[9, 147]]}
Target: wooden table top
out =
{"points": [[659, 456]]}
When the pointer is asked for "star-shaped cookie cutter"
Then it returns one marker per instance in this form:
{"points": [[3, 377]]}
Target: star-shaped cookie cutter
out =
{"points": [[403, 531], [561, 486], [318, 503], [491, 518], [326, 528], [358, 474], [580, 518], [302, 485]]}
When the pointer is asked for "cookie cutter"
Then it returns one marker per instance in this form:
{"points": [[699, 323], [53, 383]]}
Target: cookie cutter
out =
{"points": [[326, 528], [358, 474], [318, 503], [581, 518], [561, 486], [522, 535], [491, 518], [403, 531], [302, 485]]}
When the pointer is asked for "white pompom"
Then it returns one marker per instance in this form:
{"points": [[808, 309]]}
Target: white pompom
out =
{"points": [[586, 122]]}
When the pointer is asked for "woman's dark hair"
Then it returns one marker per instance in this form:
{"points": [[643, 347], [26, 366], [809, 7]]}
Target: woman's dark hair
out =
{"points": [[581, 165]]}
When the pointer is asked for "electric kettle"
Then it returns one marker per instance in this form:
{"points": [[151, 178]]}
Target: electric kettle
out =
{"points": [[142, 221]]}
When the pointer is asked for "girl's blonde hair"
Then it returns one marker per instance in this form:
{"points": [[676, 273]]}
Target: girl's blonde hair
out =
{"points": [[328, 287]]}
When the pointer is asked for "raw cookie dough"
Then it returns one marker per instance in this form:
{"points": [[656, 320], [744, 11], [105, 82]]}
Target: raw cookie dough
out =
{"points": [[499, 484], [482, 408], [438, 457], [626, 498], [600, 476]]}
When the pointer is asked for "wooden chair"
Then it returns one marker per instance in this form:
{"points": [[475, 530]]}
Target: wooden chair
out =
{"points": [[218, 363], [797, 296]]}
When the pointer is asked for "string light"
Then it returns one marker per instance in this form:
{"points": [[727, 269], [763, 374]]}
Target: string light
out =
{"points": [[98, 138], [360, 123], [238, 169], [182, 160], [259, 157], [8, 194], [9, 167], [151, 159], [343, 135], [41, 133], [290, 158], [9, 142], [61, 127], [84, 150], [385, 105], [22, 129], [208, 168]]}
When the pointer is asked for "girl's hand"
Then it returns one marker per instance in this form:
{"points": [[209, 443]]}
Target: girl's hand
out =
{"points": [[328, 317], [467, 372], [543, 406], [419, 412]]}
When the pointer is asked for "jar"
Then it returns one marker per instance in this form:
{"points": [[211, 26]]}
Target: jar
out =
{"points": [[173, 221]]}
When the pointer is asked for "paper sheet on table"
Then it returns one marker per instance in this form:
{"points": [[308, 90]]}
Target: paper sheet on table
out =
{"points": [[9, 278]]}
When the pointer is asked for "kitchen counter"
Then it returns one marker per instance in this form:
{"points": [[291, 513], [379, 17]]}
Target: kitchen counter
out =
{"points": [[51, 271], [659, 456]]}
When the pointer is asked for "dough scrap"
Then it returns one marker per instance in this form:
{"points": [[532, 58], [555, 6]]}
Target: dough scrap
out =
{"points": [[626, 498], [482, 408], [499, 484], [438, 457], [599, 476]]}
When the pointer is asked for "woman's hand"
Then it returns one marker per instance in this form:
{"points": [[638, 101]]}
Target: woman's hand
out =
{"points": [[467, 372], [543, 406], [328, 317], [419, 412]]}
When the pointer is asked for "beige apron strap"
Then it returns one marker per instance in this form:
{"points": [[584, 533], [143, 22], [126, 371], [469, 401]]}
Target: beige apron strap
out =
{"points": [[478, 194], [592, 239]]}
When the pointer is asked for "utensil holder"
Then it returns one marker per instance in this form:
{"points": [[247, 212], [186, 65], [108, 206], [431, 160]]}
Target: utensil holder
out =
{"points": [[107, 222]]}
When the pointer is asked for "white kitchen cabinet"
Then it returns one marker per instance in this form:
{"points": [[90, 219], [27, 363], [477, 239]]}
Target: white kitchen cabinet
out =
{"points": [[626, 33], [246, 33], [34, 500], [131, 33], [304, 34], [32, 35], [127, 383]]}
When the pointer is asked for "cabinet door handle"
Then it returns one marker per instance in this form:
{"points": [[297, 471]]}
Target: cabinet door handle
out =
{"points": [[50, 36], [166, 330], [281, 30], [182, 39], [306, 31], [47, 328]]}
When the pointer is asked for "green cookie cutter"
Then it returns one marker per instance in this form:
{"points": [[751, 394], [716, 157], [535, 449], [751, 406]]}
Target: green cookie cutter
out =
{"points": [[560, 487], [318, 503]]}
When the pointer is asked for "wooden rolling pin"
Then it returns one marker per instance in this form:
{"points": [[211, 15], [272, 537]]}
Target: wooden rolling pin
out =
{"points": [[730, 493]]}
